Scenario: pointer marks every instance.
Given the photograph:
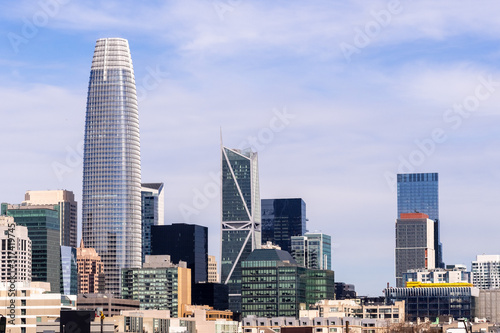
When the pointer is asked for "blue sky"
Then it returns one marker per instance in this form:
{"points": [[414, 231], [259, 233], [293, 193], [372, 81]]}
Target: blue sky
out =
{"points": [[331, 127]]}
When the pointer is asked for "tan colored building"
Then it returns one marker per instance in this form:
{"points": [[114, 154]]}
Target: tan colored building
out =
{"points": [[188, 310], [26, 303], [110, 305], [15, 248], [213, 276], [91, 277], [67, 211]]}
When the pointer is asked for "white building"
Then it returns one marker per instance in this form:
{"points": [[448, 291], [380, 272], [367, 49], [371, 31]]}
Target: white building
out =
{"points": [[452, 274], [486, 271], [16, 248]]}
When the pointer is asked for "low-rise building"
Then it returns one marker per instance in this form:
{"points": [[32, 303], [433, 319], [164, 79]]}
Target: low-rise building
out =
{"points": [[452, 274], [110, 305]]}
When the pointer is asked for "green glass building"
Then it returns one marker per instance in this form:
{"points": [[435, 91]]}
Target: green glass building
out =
{"points": [[274, 285], [43, 230]]}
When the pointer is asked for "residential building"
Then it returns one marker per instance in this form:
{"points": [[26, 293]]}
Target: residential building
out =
{"points": [[69, 271], [213, 275], [144, 284], [183, 242], [452, 274], [152, 212], [64, 202], [419, 193], [282, 219], [486, 271], [111, 196], [414, 244], [429, 301], [241, 217], [107, 303], [33, 302], [43, 230], [91, 277], [312, 250], [15, 261]]}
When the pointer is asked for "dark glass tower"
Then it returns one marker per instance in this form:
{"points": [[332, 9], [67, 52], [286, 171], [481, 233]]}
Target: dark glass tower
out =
{"points": [[151, 212], [186, 242], [111, 205], [282, 219], [241, 216], [418, 192]]}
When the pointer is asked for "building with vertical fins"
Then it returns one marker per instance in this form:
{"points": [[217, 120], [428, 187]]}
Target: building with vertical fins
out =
{"points": [[152, 212], [414, 244], [111, 196], [282, 219], [419, 193], [241, 217]]}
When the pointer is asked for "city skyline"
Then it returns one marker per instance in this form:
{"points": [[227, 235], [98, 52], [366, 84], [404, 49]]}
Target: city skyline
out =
{"points": [[331, 129]]}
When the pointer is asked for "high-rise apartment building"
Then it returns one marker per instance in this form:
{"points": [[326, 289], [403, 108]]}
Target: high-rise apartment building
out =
{"points": [[486, 271], [241, 217], [213, 276], [152, 212], [183, 242], [15, 258], [419, 193], [312, 250], [414, 244], [90, 270], [111, 205], [282, 219], [62, 201], [43, 230]]}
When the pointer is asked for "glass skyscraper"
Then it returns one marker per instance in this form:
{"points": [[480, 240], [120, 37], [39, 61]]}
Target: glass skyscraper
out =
{"points": [[241, 217], [152, 213], [312, 250], [111, 204], [282, 219], [418, 193]]}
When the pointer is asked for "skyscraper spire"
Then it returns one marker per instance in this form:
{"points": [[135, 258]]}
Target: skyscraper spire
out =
{"points": [[111, 204]]}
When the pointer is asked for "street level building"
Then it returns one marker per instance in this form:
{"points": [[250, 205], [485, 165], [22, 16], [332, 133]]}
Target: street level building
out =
{"points": [[111, 196]]}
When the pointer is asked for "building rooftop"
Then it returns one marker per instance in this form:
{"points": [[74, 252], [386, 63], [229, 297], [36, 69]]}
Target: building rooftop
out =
{"points": [[271, 254]]}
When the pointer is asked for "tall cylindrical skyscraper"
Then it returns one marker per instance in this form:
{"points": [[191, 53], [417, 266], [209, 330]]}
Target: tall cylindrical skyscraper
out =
{"points": [[111, 203]]}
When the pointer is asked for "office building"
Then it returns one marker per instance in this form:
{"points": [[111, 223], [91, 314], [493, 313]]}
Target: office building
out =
{"points": [[111, 197], [183, 242], [43, 230], [241, 217], [211, 294], [414, 244], [486, 272], [344, 291], [69, 271], [419, 193], [213, 275], [91, 277], [282, 219], [171, 293], [15, 261], [33, 302], [62, 201], [428, 303], [107, 303], [452, 274], [312, 250], [152, 212]]}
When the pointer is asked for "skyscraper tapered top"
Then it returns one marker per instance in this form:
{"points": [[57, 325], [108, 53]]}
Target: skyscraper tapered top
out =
{"points": [[111, 203]]}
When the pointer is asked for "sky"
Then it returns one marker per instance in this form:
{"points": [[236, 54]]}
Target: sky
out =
{"points": [[336, 97]]}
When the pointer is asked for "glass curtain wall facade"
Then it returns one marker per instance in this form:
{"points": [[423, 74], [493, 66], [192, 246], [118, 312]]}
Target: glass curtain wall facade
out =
{"points": [[241, 217], [111, 205], [282, 219], [312, 250], [419, 192], [152, 212], [69, 271]]}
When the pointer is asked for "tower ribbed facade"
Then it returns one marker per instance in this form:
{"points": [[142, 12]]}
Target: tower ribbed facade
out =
{"points": [[111, 202], [241, 217]]}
